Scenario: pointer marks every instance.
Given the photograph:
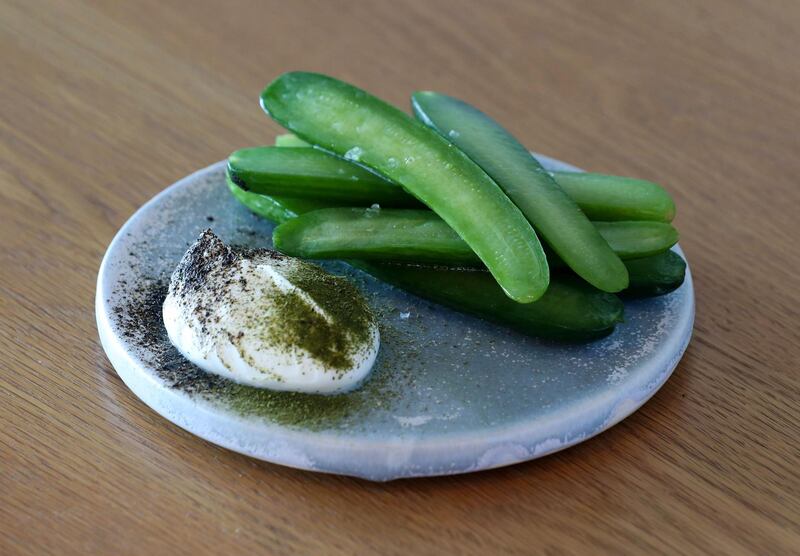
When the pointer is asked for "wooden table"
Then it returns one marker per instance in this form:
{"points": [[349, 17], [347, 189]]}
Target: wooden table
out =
{"points": [[103, 104]]}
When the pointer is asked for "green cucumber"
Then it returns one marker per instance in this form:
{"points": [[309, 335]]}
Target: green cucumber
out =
{"points": [[289, 140], [570, 310], [655, 275], [548, 207], [286, 170], [637, 238], [421, 236], [417, 236], [349, 122], [604, 197], [276, 209], [600, 197]]}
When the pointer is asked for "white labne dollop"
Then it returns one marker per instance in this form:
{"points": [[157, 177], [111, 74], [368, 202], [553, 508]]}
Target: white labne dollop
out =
{"points": [[267, 320]]}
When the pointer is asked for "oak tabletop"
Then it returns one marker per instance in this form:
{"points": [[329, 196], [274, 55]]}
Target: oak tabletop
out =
{"points": [[103, 104]]}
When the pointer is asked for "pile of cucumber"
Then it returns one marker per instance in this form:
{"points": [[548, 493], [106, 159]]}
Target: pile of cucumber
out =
{"points": [[451, 207]]}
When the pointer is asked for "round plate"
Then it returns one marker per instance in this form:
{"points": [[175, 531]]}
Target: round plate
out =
{"points": [[449, 393]]}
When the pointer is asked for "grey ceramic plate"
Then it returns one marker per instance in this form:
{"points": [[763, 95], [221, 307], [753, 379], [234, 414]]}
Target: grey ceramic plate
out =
{"points": [[449, 394]]}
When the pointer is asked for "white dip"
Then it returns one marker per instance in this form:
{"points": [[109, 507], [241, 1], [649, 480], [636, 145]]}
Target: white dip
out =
{"points": [[267, 320]]}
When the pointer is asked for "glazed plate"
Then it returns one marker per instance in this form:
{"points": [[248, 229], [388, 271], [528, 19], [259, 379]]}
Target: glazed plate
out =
{"points": [[450, 393]]}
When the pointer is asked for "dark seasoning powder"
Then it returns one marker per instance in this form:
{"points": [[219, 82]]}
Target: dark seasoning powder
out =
{"points": [[139, 317]]}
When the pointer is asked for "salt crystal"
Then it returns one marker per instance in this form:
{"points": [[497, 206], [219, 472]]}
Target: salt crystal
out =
{"points": [[354, 154]]}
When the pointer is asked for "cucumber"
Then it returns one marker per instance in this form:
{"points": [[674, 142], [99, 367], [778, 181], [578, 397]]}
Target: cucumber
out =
{"points": [[422, 237], [548, 207], [276, 209], [656, 275], [289, 140], [570, 310], [417, 236], [638, 238], [286, 170], [616, 198], [349, 122]]}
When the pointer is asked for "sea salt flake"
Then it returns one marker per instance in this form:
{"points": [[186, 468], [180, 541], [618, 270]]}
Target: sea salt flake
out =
{"points": [[354, 154]]}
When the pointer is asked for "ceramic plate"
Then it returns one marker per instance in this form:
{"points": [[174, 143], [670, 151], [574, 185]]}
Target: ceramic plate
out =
{"points": [[449, 393]]}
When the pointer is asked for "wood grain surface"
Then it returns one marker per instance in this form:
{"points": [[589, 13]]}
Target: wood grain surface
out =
{"points": [[103, 104]]}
